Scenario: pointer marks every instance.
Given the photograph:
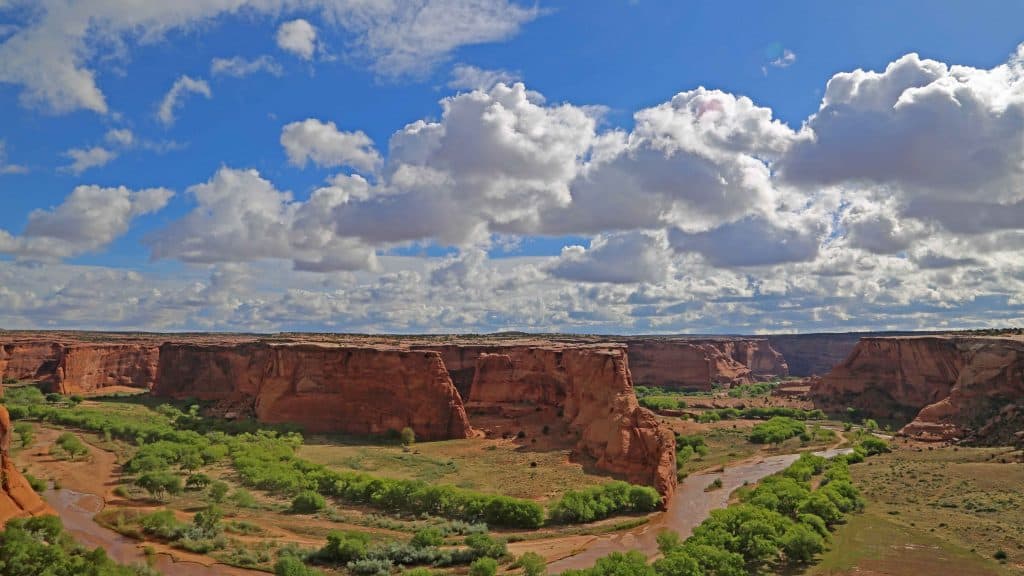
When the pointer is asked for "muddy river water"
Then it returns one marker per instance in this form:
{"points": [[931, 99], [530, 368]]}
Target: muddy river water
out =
{"points": [[690, 506], [77, 509]]}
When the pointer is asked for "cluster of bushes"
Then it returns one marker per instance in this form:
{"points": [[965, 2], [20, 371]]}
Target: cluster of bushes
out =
{"points": [[753, 390], [40, 546], [662, 403], [204, 534], [759, 413], [777, 430], [355, 551], [68, 447], [779, 525], [598, 502], [686, 448]]}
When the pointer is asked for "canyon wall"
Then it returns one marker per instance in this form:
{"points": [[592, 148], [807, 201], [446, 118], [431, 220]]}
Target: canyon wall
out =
{"points": [[80, 367], [949, 388], [698, 364], [986, 403], [320, 387], [593, 388], [17, 499], [814, 354], [891, 377]]}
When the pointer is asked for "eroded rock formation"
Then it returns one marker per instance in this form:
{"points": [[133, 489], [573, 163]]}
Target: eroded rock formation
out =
{"points": [[321, 387], [698, 364], [891, 377], [949, 387], [593, 388], [17, 499], [814, 354], [71, 367]]}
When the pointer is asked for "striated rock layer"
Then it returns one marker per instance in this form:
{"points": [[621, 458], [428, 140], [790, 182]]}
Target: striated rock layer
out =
{"points": [[79, 367], [698, 364], [949, 387], [891, 378], [594, 389], [17, 499], [323, 388]]}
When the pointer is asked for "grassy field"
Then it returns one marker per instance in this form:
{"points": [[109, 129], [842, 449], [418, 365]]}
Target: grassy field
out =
{"points": [[493, 466], [940, 511]]}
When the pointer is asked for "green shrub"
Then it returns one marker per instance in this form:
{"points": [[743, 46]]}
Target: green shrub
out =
{"points": [[483, 567], [218, 490], [873, 446], [408, 436], [533, 564], [427, 537], [343, 547], [37, 484], [776, 430], [307, 502], [599, 502]]}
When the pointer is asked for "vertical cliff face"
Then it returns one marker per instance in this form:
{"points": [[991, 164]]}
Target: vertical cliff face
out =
{"points": [[697, 364], [322, 388], [891, 377], [814, 354], [78, 367], [594, 388], [17, 499], [30, 361], [986, 403], [87, 368]]}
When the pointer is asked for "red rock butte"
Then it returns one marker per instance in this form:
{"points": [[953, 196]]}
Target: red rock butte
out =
{"points": [[17, 498]]}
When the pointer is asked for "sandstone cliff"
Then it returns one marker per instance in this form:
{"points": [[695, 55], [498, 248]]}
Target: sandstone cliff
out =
{"points": [[594, 389], [17, 499], [72, 367], [323, 388], [986, 403], [697, 364], [814, 354], [891, 377]]}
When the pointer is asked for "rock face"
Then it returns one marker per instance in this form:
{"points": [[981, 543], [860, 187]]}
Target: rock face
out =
{"points": [[698, 364], [78, 367], [891, 377], [986, 403], [593, 388], [17, 499], [814, 354], [323, 388], [86, 368], [949, 387]]}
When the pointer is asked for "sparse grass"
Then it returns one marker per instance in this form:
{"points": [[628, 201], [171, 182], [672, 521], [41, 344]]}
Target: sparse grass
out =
{"points": [[471, 464], [927, 511]]}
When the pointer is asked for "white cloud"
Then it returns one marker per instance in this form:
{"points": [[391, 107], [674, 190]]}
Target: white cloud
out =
{"points": [[469, 77], [120, 137], [325, 145], [241, 217], [297, 37], [786, 60], [58, 46], [172, 100], [5, 166], [90, 218], [83, 159], [623, 258], [239, 67]]}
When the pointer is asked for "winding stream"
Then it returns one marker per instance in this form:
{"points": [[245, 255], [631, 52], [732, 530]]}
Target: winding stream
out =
{"points": [[76, 511], [690, 506]]}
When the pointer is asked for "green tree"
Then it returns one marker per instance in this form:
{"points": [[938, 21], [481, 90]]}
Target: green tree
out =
{"points": [[532, 564], [408, 436], [801, 543], [218, 490]]}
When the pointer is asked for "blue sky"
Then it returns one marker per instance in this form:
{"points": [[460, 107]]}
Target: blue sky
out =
{"points": [[612, 196]]}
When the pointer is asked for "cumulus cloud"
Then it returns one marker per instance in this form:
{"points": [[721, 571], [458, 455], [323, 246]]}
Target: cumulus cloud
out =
{"points": [[467, 77], [325, 145], [240, 216], [90, 218], [83, 159], [238, 67], [7, 167], [623, 258], [944, 140], [297, 37], [173, 99]]}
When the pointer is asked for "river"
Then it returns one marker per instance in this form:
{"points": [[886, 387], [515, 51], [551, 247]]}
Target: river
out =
{"points": [[690, 506], [76, 511]]}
